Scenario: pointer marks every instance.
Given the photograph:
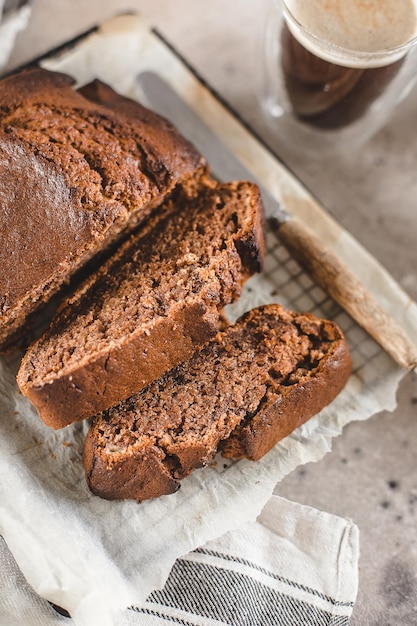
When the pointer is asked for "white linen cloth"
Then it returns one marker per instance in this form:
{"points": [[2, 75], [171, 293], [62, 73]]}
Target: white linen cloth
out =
{"points": [[293, 566]]}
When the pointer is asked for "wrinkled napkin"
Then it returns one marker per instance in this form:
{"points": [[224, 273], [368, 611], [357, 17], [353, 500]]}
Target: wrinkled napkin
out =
{"points": [[293, 565]]}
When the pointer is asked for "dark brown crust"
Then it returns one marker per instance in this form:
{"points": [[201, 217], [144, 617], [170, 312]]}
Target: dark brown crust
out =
{"points": [[276, 419], [169, 154], [292, 409], [251, 247], [42, 201]]}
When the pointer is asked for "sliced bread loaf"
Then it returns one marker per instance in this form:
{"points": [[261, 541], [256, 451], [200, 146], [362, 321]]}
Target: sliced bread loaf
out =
{"points": [[75, 172], [249, 387], [149, 307]]}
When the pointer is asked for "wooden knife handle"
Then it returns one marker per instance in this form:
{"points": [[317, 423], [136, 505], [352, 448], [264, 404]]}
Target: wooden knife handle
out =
{"points": [[336, 279]]}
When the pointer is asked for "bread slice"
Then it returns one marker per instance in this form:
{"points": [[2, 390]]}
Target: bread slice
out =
{"points": [[75, 173], [158, 298], [249, 387]]}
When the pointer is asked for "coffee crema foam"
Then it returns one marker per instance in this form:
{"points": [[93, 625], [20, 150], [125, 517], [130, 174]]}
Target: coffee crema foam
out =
{"points": [[362, 26]]}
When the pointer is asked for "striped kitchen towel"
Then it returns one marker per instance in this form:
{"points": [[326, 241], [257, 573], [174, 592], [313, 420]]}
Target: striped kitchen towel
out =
{"points": [[294, 566]]}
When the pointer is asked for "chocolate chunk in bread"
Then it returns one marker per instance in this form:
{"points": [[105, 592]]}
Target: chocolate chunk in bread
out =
{"points": [[249, 387], [75, 173], [158, 298]]}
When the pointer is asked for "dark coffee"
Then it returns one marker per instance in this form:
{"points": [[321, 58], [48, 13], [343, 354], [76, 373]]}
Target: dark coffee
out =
{"points": [[327, 95]]}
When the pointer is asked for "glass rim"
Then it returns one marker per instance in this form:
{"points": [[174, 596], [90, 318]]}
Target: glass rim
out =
{"points": [[342, 53]]}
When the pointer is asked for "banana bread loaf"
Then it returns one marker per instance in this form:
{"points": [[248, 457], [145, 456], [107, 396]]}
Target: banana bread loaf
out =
{"points": [[246, 389], [149, 307], [75, 172]]}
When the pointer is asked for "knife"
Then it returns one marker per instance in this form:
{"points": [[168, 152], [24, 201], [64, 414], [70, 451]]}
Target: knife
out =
{"points": [[323, 266]]}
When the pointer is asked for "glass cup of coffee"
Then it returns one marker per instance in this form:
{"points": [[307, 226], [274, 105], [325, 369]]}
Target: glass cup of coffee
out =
{"points": [[334, 70]]}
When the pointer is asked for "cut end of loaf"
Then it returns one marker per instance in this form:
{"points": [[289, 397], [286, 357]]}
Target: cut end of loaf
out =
{"points": [[245, 390]]}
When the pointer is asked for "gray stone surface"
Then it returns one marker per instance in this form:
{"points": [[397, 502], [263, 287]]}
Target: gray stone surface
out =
{"points": [[371, 474]]}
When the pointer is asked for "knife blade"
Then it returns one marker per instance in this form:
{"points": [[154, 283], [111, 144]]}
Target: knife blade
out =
{"points": [[323, 266]]}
